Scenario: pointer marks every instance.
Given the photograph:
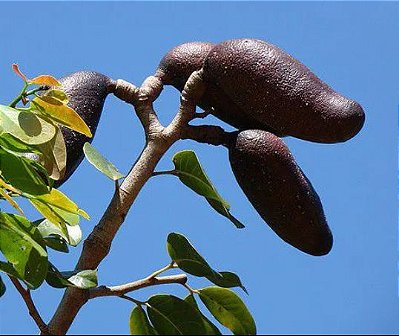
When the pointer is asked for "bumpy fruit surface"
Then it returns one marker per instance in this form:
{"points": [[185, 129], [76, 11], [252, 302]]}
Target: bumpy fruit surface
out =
{"points": [[180, 62], [280, 192], [275, 91], [252, 84], [86, 91]]}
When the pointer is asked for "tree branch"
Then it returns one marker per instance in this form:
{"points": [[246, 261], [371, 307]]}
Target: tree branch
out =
{"points": [[132, 286], [158, 140], [33, 312]]}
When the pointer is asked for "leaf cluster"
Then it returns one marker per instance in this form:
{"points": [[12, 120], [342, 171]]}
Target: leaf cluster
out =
{"points": [[165, 314], [32, 157]]}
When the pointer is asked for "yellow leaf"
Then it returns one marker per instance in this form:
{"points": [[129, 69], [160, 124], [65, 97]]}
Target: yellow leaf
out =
{"points": [[45, 80], [11, 201], [50, 215], [62, 114], [84, 214], [56, 199], [47, 212]]}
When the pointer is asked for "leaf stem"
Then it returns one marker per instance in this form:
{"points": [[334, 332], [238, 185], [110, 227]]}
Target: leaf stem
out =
{"points": [[20, 96], [25, 93], [191, 290], [163, 269], [137, 302], [33, 91]]}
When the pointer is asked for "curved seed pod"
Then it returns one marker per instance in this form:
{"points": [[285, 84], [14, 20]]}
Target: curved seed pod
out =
{"points": [[279, 191], [180, 62], [273, 91], [86, 91]]}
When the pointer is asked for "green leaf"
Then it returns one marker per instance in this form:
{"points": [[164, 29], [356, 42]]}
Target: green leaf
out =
{"points": [[186, 256], [20, 174], [22, 245], [28, 127], [171, 315], [139, 323], [83, 279], [71, 234], [189, 260], [55, 279], [210, 328], [9, 269], [193, 176], [56, 242], [2, 287], [228, 309], [101, 163], [225, 212], [227, 280], [15, 146], [190, 173]]}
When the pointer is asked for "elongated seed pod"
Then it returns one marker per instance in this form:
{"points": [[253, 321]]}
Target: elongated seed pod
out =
{"points": [[279, 191], [272, 90], [86, 91], [180, 62], [252, 84]]}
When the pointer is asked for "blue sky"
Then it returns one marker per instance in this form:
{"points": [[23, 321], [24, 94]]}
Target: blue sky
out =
{"points": [[351, 46]]}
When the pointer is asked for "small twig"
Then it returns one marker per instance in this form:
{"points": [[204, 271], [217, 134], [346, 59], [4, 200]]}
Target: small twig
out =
{"points": [[191, 290], [163, 269], [133, 286], [166, 172], [33, 312]]}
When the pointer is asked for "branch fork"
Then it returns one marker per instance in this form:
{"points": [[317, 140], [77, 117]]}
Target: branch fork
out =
{"points": [[158, 140]]}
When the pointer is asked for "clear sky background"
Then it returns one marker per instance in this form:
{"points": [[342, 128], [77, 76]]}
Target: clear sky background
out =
{"points": [[352, 46]]}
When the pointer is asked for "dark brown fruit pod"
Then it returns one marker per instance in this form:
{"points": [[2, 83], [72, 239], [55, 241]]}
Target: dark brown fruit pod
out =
{"points": [[279, 191], [86, 91], [180, 62], [273, 91], [252, 84]]}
